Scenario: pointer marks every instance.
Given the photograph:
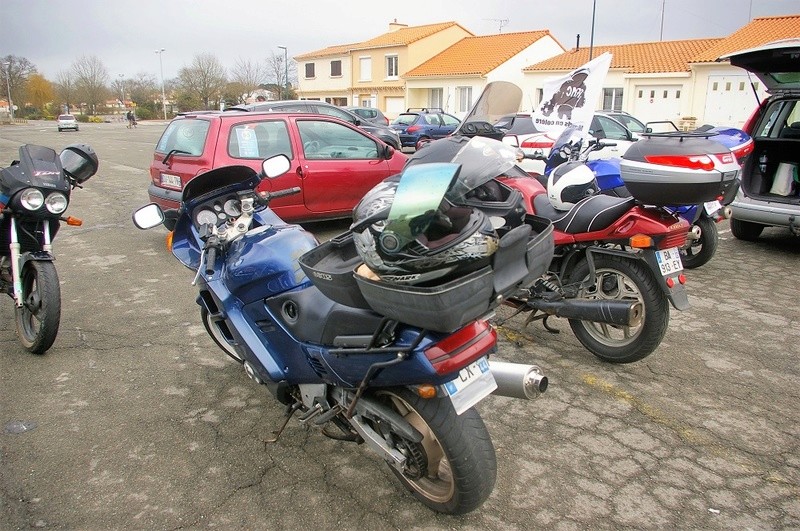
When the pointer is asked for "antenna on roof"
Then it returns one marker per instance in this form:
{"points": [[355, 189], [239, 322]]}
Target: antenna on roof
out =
{"points": [[502, 21]]}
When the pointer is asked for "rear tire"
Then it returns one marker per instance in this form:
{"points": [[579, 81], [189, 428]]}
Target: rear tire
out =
{"points": [[746, 230], [40, 315], [456, 452], [625, 279], [700, 251]]}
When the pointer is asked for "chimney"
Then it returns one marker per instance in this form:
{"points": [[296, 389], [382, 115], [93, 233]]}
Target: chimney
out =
{"points": [[577, 42], [394, 25]]}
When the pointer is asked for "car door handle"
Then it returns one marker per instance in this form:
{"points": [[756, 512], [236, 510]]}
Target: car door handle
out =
{"points": [[300, 171]]}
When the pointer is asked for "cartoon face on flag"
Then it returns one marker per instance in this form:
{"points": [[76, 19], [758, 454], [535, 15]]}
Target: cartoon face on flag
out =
{"points": [[571, 99]]}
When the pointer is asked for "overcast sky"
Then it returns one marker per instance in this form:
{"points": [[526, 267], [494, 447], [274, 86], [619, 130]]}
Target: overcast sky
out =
{"points": [[124, 35]]}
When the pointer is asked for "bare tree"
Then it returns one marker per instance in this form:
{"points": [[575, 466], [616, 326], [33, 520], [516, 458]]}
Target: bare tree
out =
{"points": [[248, 76], [17, 72], [277, 70], [91, 77], [203, 80], [66, 91]]}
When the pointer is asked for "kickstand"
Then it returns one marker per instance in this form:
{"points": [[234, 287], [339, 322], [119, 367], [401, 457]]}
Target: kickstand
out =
{"points": [[290, 411]]}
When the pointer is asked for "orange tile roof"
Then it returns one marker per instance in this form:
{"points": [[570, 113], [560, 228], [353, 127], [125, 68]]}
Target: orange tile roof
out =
{"points": [[477, 55], [637, 58], [341, 49], [759, 31], [406, 36]]}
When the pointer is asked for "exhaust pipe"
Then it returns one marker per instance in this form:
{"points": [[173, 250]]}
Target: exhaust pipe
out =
{"points": [[516, 380], [726, 212], [622, 313], [694, 233]]}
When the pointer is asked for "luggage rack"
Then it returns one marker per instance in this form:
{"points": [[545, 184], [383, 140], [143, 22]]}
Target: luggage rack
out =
{"points": [[681, 135]]}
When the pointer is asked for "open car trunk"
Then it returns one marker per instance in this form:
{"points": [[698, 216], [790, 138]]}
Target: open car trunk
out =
{"points": [[772, 172]]}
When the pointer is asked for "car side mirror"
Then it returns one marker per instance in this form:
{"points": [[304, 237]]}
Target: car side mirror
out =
{"points": [[511, 140], [148, 216], [388, 152], [276, 166]]}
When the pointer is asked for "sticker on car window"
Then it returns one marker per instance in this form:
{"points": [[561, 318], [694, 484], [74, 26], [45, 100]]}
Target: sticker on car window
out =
{"points": [[248, 144]]}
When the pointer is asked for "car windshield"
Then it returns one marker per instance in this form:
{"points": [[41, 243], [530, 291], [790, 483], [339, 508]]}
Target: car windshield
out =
{"points": [[66, 117], [404, 119]]}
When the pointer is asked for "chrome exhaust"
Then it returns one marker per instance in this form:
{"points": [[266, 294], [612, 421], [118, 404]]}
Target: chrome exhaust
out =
{"points": [[516, 380], [726, 212], [694, 233]]}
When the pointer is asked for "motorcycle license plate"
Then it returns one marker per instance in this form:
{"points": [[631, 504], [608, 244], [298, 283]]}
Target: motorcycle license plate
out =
{"points": [[712, 206], [473, 383], [173, 181], [669, 261]]}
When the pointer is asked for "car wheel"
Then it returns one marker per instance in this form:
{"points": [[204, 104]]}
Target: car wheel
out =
{"points": [[746, 230]]}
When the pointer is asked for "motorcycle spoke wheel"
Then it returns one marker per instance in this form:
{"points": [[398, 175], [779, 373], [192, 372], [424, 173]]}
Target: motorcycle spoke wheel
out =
{"points": [[38, 318], [453, 469], [699, 252], [622, 279]]}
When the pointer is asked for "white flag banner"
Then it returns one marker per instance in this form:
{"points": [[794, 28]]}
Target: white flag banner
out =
{"points": [[571, 99]]}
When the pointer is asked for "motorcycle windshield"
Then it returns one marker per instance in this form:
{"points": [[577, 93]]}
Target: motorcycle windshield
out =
{"points": [[498, 99], [481, 160], [221, 181], [416, 201]]}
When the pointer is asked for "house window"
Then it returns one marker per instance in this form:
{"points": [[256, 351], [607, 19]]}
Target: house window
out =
{"points": [[612, 99], [714, 86], [391, 67], [366, 69], [463, 99], [640, 93], [336, 68], [309, 70], [435, 98], [666, 93], [677, 94], [728, 86]]}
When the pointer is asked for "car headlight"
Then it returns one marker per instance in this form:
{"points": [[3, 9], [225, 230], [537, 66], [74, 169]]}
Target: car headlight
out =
{"points": [[56, 203], [32, 199]]}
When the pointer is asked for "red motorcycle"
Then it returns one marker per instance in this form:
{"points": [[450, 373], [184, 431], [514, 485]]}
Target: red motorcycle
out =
{"points": [[607, 248]]}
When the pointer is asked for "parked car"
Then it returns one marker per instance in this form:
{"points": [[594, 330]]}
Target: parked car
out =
{"points": [[371, 114], [769, 193], [333, 162], [603, 126], [421, 125], [66, 121], [320, 107]]}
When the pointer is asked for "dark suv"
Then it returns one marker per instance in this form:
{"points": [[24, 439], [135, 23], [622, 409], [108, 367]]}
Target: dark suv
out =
{"points": [[421, 125], [769, 194], [320, 107]]}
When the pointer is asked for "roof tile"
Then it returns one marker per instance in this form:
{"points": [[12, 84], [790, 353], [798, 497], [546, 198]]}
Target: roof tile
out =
{"points": [[759, 31], [477, 55]]}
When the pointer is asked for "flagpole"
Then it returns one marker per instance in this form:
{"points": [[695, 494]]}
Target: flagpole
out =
{"points": [[591, 38]]}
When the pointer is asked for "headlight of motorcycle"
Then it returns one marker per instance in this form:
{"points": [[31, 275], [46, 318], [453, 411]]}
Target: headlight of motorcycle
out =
{"points": [[32, 199], [56, 203]]}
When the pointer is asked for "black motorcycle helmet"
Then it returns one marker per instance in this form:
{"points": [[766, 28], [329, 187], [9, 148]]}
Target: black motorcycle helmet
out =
{"points": [[79, 162]]}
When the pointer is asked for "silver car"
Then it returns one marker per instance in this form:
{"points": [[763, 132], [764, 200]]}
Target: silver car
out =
{"points": [[769, 194], [67, 121]]}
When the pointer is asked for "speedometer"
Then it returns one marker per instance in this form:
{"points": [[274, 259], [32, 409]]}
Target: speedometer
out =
{"points": [[206, 217], [232, 207]]}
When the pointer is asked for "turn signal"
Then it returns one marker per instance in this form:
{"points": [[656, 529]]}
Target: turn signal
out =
{"points": [[641, 241], [75, 222], [170, 235], [426, 391]]}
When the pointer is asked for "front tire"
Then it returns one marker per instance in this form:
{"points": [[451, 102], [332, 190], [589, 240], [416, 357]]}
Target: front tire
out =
{"points": [[40, 315], [745, 230], [626, 279], [457, 467], [700, 251]]}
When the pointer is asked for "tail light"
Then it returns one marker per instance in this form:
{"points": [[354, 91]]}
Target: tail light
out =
{"points": [[537, 144], [413, 129], [461, 348], [693, 162], [740, 152]]}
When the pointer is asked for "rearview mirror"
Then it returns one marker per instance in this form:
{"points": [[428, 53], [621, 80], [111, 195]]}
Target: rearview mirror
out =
{"points": [[511, 140], [276, 166], [388, 152], [148, 216]]}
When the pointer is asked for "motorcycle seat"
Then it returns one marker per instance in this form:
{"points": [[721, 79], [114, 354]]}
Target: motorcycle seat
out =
{"points": [[594, 213]]}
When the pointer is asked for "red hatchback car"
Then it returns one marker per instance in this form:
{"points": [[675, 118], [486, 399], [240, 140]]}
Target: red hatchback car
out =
{"points": [[333, 162]]}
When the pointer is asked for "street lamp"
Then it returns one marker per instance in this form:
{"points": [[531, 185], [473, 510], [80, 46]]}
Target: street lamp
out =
{"points": [[122, 88], [8, 87], [163, 97], [286, 66]]}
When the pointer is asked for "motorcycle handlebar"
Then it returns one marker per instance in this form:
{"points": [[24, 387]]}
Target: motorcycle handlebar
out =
{"points": [[211, 258]]}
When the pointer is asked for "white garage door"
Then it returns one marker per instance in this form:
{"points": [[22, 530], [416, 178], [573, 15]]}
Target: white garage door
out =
{"points": [[653, 103], [730, 100], [394, 106]]}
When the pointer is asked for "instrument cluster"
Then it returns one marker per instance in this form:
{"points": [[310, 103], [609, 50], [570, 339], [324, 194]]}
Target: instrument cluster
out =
{"points": [[218, 211]]}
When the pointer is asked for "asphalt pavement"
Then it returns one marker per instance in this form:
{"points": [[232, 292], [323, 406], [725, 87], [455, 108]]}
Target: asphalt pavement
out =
{"points": [[135, 420]]}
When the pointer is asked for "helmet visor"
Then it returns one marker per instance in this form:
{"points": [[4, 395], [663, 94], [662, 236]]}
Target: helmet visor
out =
{"points": [[481, 160], [416, 202]]}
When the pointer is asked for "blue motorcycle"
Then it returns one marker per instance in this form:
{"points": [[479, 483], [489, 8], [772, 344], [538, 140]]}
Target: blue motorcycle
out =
{"points": [[291, 312]]}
